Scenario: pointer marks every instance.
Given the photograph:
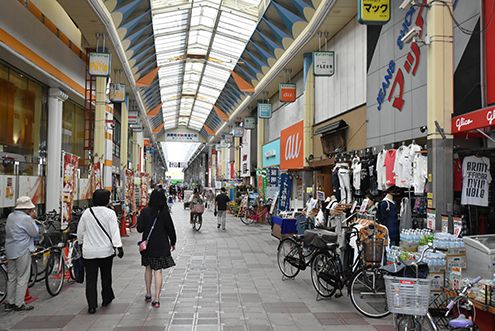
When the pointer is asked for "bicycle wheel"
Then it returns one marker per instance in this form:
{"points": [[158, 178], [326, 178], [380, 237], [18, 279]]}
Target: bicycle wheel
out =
{"points": [[33, 275], [247, 217], [407, 323], [288, 257], [324, 274], [3, 283], [55, 273], [197, 223], [367, 289]]}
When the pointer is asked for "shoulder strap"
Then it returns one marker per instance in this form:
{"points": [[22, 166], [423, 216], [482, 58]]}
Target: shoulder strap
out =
{"points": [[101, 226], [153, 226]]}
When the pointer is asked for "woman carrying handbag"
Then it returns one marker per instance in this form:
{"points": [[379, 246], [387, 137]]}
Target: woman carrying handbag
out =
{"points": [[98, 233], [158, 240]]}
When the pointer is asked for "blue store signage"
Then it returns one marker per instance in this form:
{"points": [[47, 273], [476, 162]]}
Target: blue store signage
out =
{"points": [[264, 110], [271, 154], [273, 174], [285, 192]]}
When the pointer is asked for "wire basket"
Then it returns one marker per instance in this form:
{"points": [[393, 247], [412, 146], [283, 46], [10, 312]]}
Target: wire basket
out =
{"points": [[408, 296], [373, 250]]}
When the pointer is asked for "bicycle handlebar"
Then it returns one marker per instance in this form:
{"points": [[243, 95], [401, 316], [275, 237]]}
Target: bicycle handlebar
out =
{"points": [[462, 294]]}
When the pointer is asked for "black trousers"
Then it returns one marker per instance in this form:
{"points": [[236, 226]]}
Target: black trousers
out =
{"points": [[91, 267]]}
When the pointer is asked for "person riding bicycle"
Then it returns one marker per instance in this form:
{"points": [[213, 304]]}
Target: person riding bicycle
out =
{"points": [[197, 205]]}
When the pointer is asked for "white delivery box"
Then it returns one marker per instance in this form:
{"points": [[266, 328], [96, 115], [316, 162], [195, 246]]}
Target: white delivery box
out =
{"points": [[480, 254]]}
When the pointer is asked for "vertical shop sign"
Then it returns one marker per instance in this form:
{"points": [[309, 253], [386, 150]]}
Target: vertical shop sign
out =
{"points": [[261, 175], [292, 147], [489, 51], [129, 191], [144, 190], [245, 154], [287, 92], [273, 174], [99, 64], [249, 123], [285, 192], [431, 219], [70, 164], [232, 170]]}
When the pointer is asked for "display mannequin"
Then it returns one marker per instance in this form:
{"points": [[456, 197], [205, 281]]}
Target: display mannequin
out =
{"points": [[387, 215]]}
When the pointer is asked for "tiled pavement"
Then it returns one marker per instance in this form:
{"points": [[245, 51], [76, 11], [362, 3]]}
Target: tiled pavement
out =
{"points": [[224, 280]]}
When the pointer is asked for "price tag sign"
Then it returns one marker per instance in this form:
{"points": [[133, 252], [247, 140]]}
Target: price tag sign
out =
{"points": [[373, 12]]}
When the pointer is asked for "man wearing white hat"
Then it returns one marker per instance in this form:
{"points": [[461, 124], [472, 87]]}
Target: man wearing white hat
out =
{"points": [[20, 232]]}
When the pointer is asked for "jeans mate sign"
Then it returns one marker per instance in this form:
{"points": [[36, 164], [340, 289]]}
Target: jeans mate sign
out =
{"points": [[392, 86], [292, 147]]}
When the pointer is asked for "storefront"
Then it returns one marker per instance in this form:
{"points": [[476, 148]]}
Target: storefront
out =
{"points": [[271, 165]]}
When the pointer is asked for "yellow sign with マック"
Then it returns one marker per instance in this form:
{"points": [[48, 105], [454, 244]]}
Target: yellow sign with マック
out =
{"points": [[373, 12]]}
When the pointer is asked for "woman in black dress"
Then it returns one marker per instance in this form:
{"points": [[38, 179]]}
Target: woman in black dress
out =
{"points": [[160, 243]]}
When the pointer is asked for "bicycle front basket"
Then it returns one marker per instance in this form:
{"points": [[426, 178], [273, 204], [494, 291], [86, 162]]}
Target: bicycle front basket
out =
{"points": [[408, 296]]}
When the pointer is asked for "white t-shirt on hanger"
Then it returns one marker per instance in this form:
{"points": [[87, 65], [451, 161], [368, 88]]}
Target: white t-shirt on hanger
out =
{"points": [[401, 165], [356, 173], [381, 171], [420, 173], [475, 181]]}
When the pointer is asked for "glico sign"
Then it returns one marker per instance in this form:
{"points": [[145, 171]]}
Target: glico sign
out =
{"points": [[292, 147]]}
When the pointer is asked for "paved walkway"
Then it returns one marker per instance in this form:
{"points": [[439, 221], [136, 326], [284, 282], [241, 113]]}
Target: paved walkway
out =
{"points": [[224, 280]]}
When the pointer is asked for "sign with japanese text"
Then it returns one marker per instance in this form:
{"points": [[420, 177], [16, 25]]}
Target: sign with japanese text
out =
{"points": [[273, 176], [246, 154], [271, 153], [238, 132], [287, 92], [482, 118], [262, 182], [292, 147], [323, 63], [182, 137], [374, 12], [249, 123], [264, 110], [117, 92], [99, 64], [133, 117], [70, 164], [285, 192]]}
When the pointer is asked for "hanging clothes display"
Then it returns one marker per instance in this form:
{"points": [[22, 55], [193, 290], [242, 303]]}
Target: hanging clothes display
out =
{"points": [[356, 174], [345, 185], [476, 178], [405, 214], [420, 173], [389, 167], [381, 173]]}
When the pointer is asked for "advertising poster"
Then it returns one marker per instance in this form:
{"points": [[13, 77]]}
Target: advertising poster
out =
{"points": [[129, 189], [431, 219], [7, 194], [285, 192], [70, 164], [32, 186], [262, 180], [144, 190]]}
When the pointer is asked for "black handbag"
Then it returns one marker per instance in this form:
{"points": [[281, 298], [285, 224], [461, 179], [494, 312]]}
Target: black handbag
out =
{"points": [[77, 263]]}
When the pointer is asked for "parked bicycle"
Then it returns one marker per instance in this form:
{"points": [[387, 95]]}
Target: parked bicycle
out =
{"points": [[3, 276], [256, 214], [363, 278], [409, 298]]}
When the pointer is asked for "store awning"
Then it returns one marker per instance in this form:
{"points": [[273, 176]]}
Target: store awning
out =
{"points": [[332, 128], [475, 120]]}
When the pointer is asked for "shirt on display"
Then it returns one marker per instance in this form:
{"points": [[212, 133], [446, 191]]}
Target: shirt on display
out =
{"points": [[356, 173], [420, 173], [476, 177], [457, 175], [402, 166], [389, 167], [381, 171]]}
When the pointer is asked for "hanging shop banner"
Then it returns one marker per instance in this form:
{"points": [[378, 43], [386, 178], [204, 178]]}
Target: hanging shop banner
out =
{"points": [[181, 137], [143, 201], [249, 123], [323, 63], [285, 192], [373, 12], [271, 154], [117, 92], [292, 147], [273, 176], [264, 110], [287, 92], [238, 132], [99, 64], [33, 187], [262, 181], [129, 187], [7, 191], [132, 117], [232, 170], [246, 154], [478, 119], [70, 164]]}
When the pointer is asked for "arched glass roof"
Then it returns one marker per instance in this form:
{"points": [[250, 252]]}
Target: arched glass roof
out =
{"points": [[197, 42]]}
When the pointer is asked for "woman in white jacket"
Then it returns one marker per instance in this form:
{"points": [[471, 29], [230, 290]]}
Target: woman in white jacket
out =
{"points": [[98, 232]]}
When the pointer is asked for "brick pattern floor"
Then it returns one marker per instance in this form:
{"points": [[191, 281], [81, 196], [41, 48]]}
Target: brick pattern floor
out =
{"points": [[224, 281]]}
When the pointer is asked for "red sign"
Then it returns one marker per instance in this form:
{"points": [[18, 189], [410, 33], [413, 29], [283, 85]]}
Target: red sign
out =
{"points": [[478, 119], [287, 92], [292, 147]]}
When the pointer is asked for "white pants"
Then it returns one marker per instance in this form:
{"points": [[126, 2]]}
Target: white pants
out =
{"points": [[18, 272], [345, 185], [221, 218]]}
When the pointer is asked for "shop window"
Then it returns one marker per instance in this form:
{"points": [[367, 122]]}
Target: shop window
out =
{"points": [[23, 113], [73, 129]]}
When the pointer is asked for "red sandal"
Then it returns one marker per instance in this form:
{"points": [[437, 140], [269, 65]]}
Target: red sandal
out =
{"points": [[155, 304]]}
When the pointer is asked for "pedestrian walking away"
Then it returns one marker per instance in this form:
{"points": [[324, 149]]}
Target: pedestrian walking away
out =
{"points": [[158, 241], [221, 202], [20, 232], [98, 232]]}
